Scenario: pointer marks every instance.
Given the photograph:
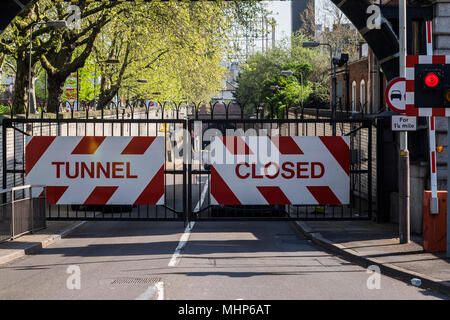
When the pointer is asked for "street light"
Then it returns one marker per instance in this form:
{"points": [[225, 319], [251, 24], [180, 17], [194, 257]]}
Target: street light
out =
{"points": [[287, 72], [276, 87], [315, 44], [53, 24], [310, 44]]}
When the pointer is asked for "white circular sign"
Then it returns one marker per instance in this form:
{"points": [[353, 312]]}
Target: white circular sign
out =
{"points": [[395, 95]]}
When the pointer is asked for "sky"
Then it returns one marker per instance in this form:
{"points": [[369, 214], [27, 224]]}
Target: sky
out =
{"points": [[282, 14]]}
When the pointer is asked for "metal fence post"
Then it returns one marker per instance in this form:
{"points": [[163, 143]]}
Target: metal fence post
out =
{"points": [[31, 209], [12, 214], [189, 178], [369, 169], [4, 159]]}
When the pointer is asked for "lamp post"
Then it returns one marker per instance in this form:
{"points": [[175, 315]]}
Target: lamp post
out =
{"points": [[315, 44], [109, 61], [403, 164], [51, 23]]}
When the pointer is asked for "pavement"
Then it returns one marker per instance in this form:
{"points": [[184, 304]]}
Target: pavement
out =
{"points": [[33, 242], [368, 243]]}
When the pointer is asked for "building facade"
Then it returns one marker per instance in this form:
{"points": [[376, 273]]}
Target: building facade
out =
{"points": [[360, 89], [298, 7]]}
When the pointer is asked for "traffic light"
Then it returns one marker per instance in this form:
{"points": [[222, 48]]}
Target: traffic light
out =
{"points": [[432, 86], [340, 61]]}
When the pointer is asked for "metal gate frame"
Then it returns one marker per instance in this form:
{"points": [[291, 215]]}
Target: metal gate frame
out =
{"points": [[277, 213], [190, 209], [94, 213]]}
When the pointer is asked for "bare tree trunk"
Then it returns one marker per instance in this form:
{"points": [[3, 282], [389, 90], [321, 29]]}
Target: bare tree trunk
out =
{"points": [[20, 98], [107, 96], [55, 92]]}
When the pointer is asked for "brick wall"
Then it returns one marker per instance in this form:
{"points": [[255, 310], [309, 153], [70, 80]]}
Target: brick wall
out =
{"points": [[357, 71]]}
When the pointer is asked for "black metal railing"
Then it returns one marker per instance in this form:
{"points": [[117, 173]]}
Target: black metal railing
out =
{"points": [[23, 214], [184, 183]]}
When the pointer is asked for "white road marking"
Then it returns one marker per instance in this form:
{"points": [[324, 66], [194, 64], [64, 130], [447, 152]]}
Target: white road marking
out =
{"points": [[202, 197], [148, 294], [183, 240], [160, 290], [157, 289], [187, 232]]}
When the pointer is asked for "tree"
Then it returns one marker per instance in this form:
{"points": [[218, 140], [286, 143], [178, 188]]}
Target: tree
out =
{"points": [[180, 49], [340, 33], [263, 70], [178, 55], [282, 94], [53, 48], [307, 20], [58, 58]]}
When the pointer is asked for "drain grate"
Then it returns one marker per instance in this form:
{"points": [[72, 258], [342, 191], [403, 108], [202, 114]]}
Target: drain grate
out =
{"points": [[136, 280]]}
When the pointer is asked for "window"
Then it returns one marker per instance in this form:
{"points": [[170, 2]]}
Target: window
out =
{"points": [[362, 94], [354, 96]]}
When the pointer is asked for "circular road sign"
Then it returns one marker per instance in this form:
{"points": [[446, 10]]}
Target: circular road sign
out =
{"points": [[395, 95]]}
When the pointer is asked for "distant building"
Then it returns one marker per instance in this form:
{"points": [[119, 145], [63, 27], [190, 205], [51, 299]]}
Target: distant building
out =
{"points": [[229, 84], [7, 86], [360, 89], [298, 7], [361, 82]]}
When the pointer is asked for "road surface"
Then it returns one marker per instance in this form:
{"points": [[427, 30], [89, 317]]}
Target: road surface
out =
{"points": [[216, 260]]}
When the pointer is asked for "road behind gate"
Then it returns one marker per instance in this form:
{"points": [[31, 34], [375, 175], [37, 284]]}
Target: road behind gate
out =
{"points": [[219, 260]]}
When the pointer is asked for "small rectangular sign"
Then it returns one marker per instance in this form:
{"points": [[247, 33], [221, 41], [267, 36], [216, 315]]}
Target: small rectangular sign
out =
{"points": [[404, 123], [97, 170], [262, 170]]}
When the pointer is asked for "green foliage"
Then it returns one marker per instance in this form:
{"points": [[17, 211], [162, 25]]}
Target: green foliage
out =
{"points": [[283, 93], [176, 46], [307, 86], [318, 98], [5, 109]]}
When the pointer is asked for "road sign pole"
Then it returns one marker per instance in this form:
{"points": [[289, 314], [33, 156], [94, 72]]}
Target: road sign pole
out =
{"points": [[448, 188], [434, 204], [403, 164]]}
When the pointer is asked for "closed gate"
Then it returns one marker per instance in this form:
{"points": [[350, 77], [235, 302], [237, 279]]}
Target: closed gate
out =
{"points": [[187, 173], [359, 133]]}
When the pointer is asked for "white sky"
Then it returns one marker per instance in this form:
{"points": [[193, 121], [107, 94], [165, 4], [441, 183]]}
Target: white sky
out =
{"points": [[282, 14]]}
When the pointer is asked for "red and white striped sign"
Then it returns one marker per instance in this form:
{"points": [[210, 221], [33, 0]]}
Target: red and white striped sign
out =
{"points": [[97, 170], [280, 170], [411, 62], [431, 127]]}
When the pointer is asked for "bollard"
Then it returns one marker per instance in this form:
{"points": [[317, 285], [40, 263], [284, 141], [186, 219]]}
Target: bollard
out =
{"points": [[435, 225]]}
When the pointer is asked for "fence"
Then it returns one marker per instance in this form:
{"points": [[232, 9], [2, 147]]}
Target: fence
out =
{"points": [[185, 184], [361, 169], [21, 216]]}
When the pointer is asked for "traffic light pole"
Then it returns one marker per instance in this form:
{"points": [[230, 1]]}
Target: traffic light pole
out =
{"points": [[448, 187], [403, 163]]}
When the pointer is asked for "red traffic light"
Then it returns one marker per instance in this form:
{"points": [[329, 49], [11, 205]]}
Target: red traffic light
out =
{"points": [[431, 80]]}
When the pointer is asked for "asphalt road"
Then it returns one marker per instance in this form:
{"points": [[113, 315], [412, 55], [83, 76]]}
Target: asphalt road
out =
{"points": [[219, 260]]}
